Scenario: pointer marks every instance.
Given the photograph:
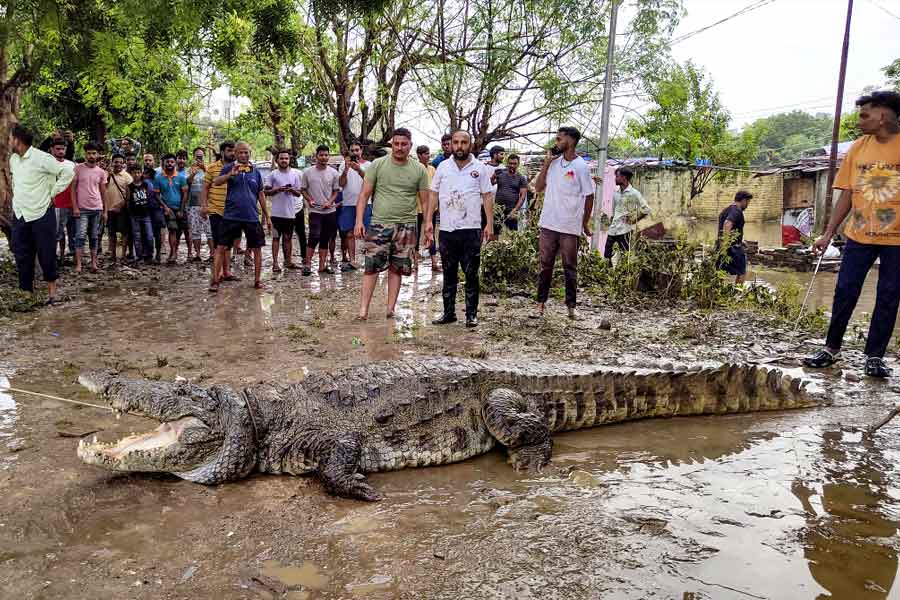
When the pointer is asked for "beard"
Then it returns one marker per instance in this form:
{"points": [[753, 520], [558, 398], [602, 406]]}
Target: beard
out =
{"points": [[460, 155]]}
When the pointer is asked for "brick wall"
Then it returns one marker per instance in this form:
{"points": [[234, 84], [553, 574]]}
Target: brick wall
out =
{"points": [[668, 191]]}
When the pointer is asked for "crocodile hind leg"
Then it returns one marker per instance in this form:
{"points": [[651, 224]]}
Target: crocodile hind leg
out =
{"points": [[524, 433], [337, 468]]}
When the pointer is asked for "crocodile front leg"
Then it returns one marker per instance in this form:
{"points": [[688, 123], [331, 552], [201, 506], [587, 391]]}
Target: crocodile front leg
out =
{"points": [[338, 461], [525, 434]]}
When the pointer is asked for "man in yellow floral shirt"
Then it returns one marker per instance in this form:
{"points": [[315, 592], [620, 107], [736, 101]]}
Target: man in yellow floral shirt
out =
{"points": [[869, 181]]}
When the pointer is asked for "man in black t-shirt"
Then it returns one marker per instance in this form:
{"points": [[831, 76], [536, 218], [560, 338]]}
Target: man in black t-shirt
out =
{"points": [[511, 189], [731, 222]]}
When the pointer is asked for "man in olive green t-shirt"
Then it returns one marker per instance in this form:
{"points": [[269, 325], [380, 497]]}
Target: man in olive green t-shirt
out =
{"points": [[390, 242]]}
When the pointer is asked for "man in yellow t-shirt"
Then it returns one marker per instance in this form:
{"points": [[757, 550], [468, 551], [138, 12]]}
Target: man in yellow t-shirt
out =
{"points": [[212, 204], [869, 184], [424, 155]]}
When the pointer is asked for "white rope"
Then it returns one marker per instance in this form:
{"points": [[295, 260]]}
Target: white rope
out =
{"points": [[7, 388]]}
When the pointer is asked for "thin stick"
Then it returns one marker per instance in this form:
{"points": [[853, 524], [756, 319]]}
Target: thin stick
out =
{"points": [[808, 290], [4, 388], [871, 430]]}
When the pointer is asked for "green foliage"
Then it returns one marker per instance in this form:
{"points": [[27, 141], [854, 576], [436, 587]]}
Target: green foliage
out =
{"points": [[787, 136], [893, 74], [783, 303], [502, 69], [688, 120], [679, 270]]}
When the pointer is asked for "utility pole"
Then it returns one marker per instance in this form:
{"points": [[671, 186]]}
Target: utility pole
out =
{"points": [[836, 130], [604, 123]]}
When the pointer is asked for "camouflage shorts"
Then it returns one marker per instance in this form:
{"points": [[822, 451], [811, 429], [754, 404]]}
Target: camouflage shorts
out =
{"points": [[391, 245]]}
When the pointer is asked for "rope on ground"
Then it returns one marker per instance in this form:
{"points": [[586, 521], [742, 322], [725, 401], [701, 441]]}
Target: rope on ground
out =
{"points": [[6, 388]]}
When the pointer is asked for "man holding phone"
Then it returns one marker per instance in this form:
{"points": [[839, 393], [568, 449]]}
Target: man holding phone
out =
{"points": [[568, 203], [198, 223], [352, 172], [282, 187]]}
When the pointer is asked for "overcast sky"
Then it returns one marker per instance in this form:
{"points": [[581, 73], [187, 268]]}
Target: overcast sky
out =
{"points": [[786, 54]]}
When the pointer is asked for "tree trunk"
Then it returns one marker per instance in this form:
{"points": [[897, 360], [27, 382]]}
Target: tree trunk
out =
{"points": [[296, 148], [9, 109]]}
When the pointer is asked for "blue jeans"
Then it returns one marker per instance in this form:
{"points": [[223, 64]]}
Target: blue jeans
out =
{"points": [[142, 234], [88, 228], [858, 259]]}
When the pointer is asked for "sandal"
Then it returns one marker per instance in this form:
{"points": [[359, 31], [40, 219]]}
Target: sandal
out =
{"points": [[231, 277], [307, 271], [258, 285], [213, 288], [821, 359], [361, 318], [292, 266], [276, 269]]}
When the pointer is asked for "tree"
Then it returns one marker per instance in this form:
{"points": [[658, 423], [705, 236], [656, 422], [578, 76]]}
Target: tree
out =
{"points": [[787, 136], [98, 65], [257, 51], [505, 69], [893, 74], [688, 122], [359, 56]]}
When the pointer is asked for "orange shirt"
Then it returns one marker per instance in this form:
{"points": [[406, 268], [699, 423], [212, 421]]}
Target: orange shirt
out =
{"points": [[871, 173]]}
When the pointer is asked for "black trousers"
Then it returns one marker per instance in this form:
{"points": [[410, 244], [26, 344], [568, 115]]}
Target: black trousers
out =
{"points": [[461, 248], [855, 264], [622, 241], [35, 238]]}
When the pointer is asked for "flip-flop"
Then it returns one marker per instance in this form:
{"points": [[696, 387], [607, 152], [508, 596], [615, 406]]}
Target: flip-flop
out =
{"points": [[276, 269], [390, 315], [231, 278], [213, 288], [360, 318], [258, 285]]}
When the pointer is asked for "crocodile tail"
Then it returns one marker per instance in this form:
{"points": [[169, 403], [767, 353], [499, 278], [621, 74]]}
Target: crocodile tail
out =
{"points": [[610, 396]]}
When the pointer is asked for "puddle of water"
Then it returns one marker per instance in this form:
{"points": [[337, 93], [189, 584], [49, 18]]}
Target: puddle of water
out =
{"points": [[307, 575]]}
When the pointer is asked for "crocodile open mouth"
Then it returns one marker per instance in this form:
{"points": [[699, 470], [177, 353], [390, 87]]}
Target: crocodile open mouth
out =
{"points": [[157, 450]]}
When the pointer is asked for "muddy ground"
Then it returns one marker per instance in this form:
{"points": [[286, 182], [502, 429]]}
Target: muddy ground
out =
{"points": [[776, 505]]}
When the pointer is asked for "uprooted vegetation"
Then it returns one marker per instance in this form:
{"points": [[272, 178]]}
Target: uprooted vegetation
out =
{"points": [[12, 299], [668, 271]]}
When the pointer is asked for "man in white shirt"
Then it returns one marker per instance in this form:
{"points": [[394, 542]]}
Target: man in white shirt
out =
{"points": [[462, 187], [352, 172], [283, 188], [568, 190]]}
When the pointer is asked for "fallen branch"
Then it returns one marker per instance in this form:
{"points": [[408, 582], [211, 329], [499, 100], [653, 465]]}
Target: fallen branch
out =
{"points": [[871, 430]]}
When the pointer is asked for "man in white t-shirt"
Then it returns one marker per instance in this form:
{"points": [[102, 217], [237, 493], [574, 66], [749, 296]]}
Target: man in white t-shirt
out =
{"points": [[568, 190], [282, 187], [352, 172], [462, 187]]}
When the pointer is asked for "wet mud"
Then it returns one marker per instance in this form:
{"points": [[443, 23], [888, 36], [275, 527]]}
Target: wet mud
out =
{"points": [[768, 505]]}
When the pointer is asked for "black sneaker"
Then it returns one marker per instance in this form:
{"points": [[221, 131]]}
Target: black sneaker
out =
{"points": [[875, 367], [471, 321], [307, 271], [821, 359], [444, 320]]}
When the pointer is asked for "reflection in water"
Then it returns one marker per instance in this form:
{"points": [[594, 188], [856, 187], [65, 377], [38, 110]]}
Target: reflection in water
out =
{"points": [[843, 538]]}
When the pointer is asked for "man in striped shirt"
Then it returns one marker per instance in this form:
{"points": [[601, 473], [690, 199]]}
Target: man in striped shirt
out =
{"points": [[212, 204]]}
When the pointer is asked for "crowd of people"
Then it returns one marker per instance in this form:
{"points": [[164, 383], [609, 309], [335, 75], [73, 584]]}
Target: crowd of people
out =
{"points": [[397, 204]]}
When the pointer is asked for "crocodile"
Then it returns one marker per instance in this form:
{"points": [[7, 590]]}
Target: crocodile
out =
{"points": [[390, 415]]}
